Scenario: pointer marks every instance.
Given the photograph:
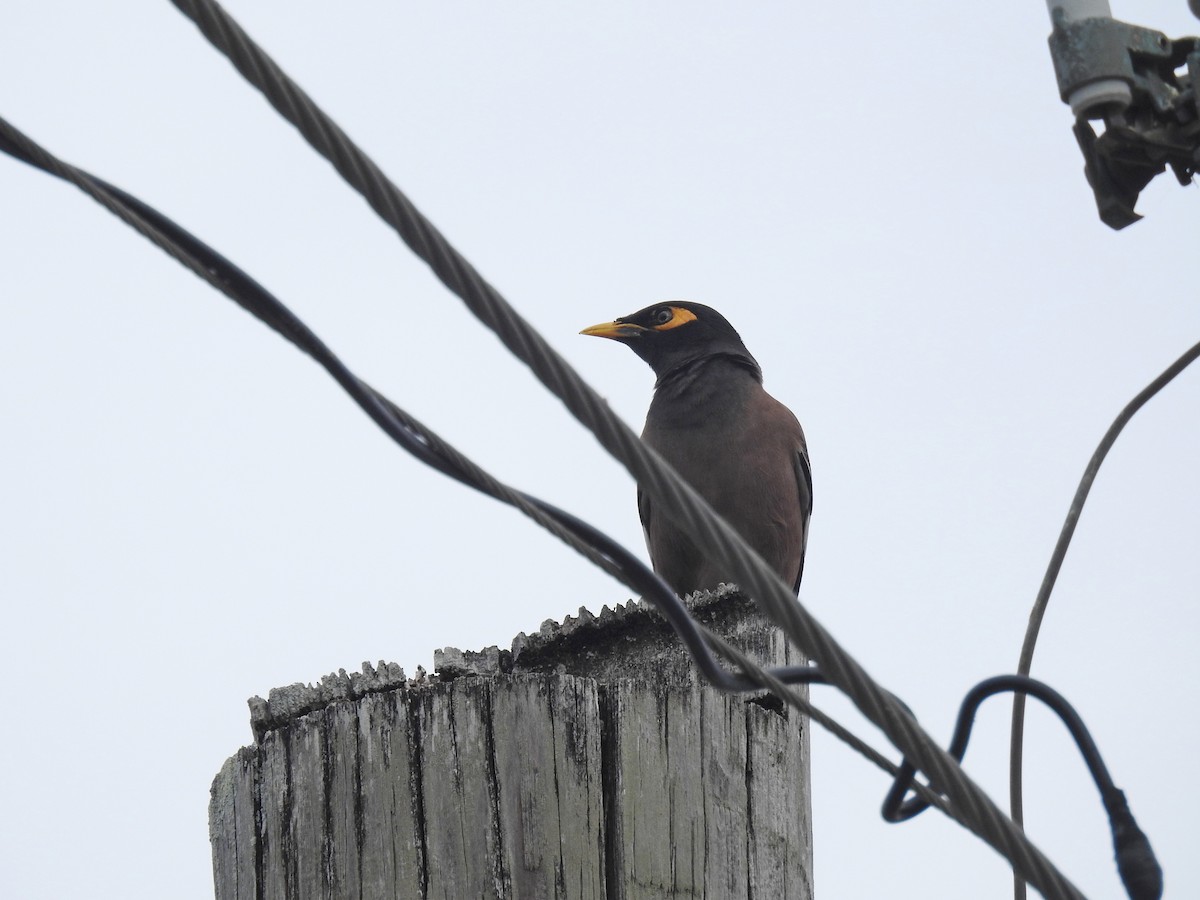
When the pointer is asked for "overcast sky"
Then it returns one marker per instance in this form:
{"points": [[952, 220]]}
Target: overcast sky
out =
{"points": [[885, 199]]}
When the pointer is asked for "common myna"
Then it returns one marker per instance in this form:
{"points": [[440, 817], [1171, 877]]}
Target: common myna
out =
{"points": [[739, 447]]}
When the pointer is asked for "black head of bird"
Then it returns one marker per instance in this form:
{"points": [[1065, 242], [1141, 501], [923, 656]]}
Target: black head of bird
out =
{"points": [[740, 448], [670, 336]]}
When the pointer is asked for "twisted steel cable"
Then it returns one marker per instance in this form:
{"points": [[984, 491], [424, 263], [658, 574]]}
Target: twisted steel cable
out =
{"points": [[676, 498], [797, 700]]}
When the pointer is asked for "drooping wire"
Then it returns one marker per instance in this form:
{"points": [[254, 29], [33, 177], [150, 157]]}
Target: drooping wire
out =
{"points": [[1136, 863], [593, 544], [1025, 664], [671, 494], [413, 436]]}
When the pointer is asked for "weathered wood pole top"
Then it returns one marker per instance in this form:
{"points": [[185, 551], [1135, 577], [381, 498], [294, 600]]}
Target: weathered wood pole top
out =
{"points": [[587, 762]]}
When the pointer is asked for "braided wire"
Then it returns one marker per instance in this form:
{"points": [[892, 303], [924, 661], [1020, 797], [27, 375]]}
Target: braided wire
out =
{"points": [[678, 501]]}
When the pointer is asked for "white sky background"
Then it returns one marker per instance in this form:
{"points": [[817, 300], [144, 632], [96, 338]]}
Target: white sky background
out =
{"points": [[885, 199]]}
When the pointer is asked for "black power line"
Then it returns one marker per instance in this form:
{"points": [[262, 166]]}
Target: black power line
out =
{"points": [[1136, 861]]}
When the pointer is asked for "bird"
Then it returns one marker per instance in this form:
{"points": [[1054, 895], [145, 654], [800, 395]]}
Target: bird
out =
{"points": [[741, 449]]}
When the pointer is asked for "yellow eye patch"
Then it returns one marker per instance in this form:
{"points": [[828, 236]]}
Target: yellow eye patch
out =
{"points": [[679, 316]]}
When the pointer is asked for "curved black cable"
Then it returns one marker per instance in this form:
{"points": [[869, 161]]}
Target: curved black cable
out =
{"points": [[1136, 862], [1133, 848], [423, 443]]}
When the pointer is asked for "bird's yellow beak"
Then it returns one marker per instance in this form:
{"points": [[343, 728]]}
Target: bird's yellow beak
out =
{"points": [[616, 331]]}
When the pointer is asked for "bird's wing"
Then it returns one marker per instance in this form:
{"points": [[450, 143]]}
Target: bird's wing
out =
{"points": [[643, 503], [805, 488]]}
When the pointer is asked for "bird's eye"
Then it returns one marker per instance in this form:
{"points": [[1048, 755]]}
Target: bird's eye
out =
{"points": [[663, 315]]}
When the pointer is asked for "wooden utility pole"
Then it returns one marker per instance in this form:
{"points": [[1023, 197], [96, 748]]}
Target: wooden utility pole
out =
{"points": [[588, 762]]}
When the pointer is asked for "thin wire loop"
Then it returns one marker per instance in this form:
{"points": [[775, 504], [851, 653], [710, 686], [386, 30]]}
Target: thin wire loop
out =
{"points": [[1025, 664]]}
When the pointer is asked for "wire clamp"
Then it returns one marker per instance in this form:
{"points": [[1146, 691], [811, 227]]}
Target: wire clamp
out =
{"points": [[1142, 86]]}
